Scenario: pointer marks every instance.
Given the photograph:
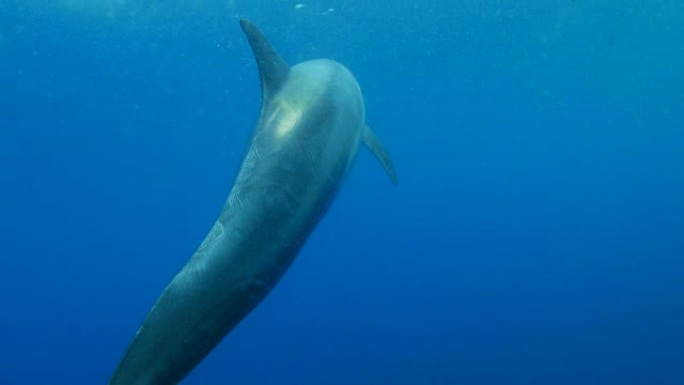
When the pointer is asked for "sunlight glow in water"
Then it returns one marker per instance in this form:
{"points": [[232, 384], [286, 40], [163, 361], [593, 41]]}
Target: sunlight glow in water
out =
{"points": [[108, 8]]}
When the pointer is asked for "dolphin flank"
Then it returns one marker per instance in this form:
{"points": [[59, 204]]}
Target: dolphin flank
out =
{"points": [[311, 124]]}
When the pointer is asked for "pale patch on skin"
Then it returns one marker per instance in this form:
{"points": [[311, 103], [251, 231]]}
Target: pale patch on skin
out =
{"points": [[288, 111], [285, 116]]}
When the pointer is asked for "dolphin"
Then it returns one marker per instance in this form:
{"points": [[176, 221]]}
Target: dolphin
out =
{"points": [[311, 124]]}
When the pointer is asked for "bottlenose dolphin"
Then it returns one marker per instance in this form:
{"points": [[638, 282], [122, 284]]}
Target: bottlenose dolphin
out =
{"points": [[311, 124]]}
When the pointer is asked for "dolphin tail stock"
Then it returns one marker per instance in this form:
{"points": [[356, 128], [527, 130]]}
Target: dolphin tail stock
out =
{"points": [[373, 143]]}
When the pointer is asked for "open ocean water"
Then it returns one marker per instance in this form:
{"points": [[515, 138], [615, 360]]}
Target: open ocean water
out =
{"points": [[536, 235]]}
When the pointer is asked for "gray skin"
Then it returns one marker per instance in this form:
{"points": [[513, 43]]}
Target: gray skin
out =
{"points": [[307, 137]]}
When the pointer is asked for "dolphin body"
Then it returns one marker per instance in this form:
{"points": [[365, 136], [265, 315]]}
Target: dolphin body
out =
{"points": [[306, 139]]}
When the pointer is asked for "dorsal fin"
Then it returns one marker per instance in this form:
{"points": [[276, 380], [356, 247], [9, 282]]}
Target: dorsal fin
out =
{"points": [[272, 68]]}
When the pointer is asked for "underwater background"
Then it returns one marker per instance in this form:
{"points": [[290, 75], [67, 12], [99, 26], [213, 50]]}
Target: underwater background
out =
{"points": [[536, 235]]}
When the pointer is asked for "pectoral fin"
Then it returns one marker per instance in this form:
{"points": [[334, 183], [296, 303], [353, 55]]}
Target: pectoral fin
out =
{"points": [[371, 140]]}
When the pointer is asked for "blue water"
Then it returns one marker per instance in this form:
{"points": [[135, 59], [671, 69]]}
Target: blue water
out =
{"points": [[536, 236]]}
